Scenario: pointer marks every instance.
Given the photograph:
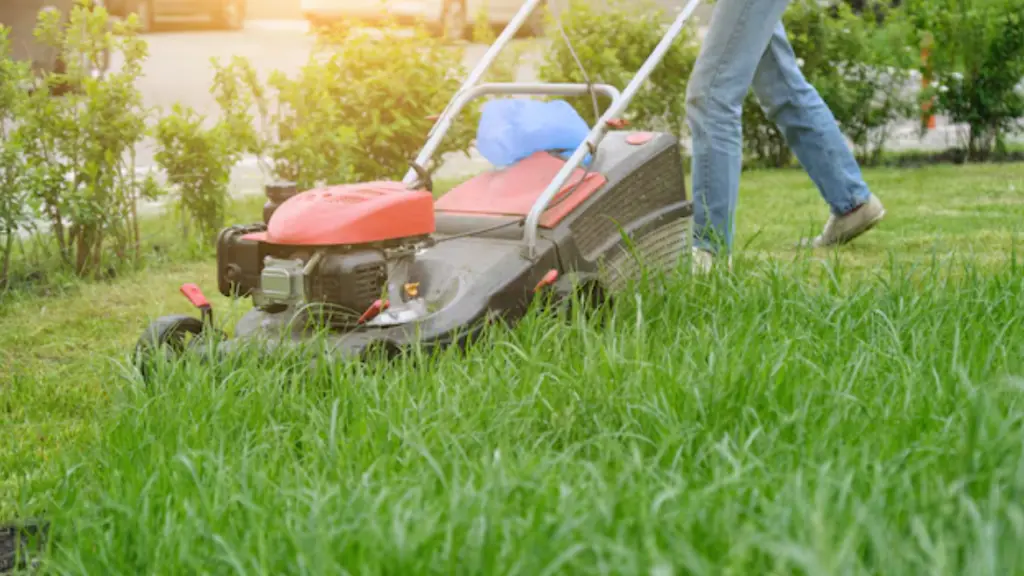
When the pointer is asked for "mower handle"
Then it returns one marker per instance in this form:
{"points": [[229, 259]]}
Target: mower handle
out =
{"points": [[470, 90], [617, 107], [532, 88], [444, 121]]}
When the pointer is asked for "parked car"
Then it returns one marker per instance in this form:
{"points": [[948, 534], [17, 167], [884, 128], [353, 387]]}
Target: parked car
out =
{"points": [[225, 14], [453, 18], [21, 18]]}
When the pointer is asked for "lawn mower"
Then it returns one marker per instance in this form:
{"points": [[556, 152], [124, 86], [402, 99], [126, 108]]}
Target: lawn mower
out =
{"points": [[385, 264]]}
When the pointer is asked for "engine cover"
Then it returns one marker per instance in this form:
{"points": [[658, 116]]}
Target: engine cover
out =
{"points": [[351, 214]]}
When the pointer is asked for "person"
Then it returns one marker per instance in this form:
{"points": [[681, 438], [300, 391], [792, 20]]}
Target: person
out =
{"points": [[746, 47]]}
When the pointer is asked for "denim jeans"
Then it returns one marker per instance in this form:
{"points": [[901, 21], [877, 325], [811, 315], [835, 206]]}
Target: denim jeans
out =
{"points": [[746, 47]]}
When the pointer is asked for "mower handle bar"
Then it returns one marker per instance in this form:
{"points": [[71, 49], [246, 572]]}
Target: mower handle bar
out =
{"points": [[620, 102], [466, 95], [444, 121]]}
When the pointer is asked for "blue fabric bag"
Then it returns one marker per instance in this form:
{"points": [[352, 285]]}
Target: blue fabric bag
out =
{"points": [[514, 128]]}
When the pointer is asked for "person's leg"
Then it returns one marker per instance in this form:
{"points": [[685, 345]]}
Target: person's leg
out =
{"points": [[814, 137], [737, 37]]}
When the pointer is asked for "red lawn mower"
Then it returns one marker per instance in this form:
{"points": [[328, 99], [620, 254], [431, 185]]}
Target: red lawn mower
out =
{"points": [[384, 263]]}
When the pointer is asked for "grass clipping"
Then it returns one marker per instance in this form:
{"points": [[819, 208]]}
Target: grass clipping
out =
{"points": [[752, 425]]}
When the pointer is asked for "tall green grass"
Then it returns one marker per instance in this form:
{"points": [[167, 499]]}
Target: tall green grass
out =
{"points": [[766, 423]]}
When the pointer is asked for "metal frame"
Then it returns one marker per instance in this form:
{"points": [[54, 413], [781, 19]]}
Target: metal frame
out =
{"points": [[620, 101]]}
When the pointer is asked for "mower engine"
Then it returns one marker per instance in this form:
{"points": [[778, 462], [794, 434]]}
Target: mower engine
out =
{"points": [[341, 253]]}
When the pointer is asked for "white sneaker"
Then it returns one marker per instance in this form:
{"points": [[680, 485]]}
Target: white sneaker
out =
{"points": [[842, 229], [704, 260]]}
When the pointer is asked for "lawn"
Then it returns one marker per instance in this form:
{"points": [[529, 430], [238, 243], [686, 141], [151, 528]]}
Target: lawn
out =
{"points": [[859, 412]]}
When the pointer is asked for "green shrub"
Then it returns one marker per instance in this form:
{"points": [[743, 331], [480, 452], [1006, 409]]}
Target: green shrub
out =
{"points": [[860, 66], [977, 64], [15, 204], [197, 162], [763, 142], [360, 109], [612, 44], [79, 148], [388, 88], [300, 134]]}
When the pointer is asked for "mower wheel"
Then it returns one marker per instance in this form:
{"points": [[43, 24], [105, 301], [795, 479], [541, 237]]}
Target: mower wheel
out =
{"points": [[167, 334], [19, 542]]}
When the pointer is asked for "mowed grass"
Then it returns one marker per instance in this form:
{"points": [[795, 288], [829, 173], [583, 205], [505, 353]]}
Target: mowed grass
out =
{"points": [[856, 415]]}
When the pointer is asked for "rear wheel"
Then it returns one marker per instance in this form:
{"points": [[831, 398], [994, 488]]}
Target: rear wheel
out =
{"points": [[168, 336]]}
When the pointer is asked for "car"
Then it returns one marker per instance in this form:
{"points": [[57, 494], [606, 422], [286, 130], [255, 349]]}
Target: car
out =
{"points": [[224, 14], [452, 18]]}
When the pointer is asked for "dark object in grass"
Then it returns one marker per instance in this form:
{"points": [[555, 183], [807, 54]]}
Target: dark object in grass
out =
{"points": [[18, 541], [169, 334]]}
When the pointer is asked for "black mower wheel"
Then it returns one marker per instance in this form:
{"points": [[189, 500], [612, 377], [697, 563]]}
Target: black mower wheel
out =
{"points": [[18, 542], [170, 335]]}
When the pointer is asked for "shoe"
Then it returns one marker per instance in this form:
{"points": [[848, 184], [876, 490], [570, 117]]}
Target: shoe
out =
{"points": [[704, 260], [842, 229]]}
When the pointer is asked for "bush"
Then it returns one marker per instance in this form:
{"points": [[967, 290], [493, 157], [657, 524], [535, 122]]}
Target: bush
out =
{"points": [[79, 148], [976, 62], [612, 44], [360, 108], [197, 162], [15, 205], [860, 65], [762, 140]]}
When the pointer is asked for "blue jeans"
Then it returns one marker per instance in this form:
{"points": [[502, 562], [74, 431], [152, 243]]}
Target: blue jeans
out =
{"points": [[746, 47]]}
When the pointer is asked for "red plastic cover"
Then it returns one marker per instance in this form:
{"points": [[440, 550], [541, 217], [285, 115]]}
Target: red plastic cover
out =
{"points": [[513, 191], [350, 214], [194, 295]]}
